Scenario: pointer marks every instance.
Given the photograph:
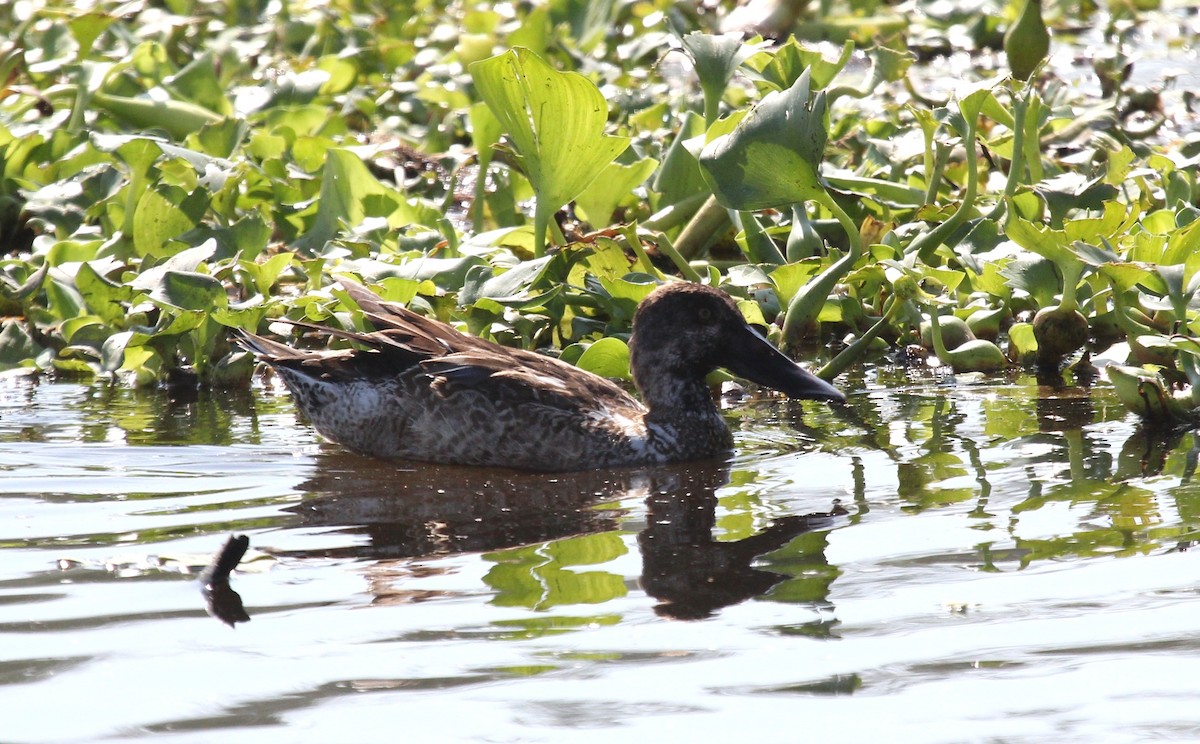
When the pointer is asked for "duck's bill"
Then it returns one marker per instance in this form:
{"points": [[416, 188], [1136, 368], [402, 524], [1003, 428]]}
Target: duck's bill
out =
{"points": [[754, 358]]}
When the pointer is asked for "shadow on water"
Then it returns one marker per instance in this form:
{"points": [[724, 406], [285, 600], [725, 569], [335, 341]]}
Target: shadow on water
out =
{"points": [[414, 510]]}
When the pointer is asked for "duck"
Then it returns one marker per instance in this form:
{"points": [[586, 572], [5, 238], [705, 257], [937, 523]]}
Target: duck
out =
{"points": [[415, 388]]}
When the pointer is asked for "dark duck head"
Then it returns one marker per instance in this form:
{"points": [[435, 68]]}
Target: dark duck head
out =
{"points": [[684, 331]]}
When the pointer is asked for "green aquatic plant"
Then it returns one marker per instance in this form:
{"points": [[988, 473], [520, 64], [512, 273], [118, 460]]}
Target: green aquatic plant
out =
{"points": [[772, 158], [556, 121], [1027, 42]]}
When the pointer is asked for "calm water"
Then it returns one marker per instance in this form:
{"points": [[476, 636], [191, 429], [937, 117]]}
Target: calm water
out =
{"points": [[1003, 563]]}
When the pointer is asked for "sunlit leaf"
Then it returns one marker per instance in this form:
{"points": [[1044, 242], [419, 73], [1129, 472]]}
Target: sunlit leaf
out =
{"points": [[608, 357], [774, 155], [555, 119]]}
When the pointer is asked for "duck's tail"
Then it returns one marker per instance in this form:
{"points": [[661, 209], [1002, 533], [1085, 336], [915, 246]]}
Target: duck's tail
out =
{"points": [[269, 351]]}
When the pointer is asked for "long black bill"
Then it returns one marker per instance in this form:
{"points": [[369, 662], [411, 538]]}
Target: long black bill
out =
{"points": [[753, 357]]}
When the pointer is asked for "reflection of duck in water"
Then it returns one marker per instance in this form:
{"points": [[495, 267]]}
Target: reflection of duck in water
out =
{"points": [[426, 510], [691, 574], [421, 390]]}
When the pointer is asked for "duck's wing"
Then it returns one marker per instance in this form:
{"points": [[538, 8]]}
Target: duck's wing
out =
{"points": [[458, 360], [403, 341], [524, 376]]}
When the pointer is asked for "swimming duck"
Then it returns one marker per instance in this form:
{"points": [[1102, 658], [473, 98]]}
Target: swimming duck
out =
{"points": [[421, 390]]}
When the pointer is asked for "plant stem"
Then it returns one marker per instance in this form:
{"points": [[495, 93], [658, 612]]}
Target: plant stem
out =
{"points": [[540, 221], [685, 268], [926, 244], [709, 220], [675, 214], [804, 308], [941, 155], [1016, 167], [854, 351], [759, 246], [1072, 271], [939, 346]]}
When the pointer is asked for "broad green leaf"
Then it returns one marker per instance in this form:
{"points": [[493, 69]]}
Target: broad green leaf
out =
{"points": [[1094, 229], [679, 175], [1045, 242], [511, 285], [103, 297], [555, 119], [1124, 276], [265, 273], [198, 82], [789, 278], [189, 290], [606, 261], [350, 193], [716, 58], [17, 347], [165, 212], [773, 157], [247, 316], [792, 59], [86, 28], [614, 186], [608, 357]]}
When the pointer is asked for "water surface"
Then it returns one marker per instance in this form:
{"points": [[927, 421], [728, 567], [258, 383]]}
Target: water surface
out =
{"points": [[933, 562]]}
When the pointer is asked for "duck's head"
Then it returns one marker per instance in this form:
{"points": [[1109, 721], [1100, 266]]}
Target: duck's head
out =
{"points": [[683, 331]]}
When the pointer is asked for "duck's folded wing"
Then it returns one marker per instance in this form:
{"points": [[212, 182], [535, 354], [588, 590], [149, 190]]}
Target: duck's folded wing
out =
{"points": [[525, 376]]}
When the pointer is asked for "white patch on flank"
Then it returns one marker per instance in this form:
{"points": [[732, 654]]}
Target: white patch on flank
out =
{"points": [[632, 429]]}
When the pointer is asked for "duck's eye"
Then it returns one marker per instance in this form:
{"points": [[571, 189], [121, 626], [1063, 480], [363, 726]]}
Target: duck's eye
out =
{"points": [[705, 313]]}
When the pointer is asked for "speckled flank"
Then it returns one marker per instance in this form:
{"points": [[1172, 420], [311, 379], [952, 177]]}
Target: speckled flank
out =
{"points": [[420, 390]]}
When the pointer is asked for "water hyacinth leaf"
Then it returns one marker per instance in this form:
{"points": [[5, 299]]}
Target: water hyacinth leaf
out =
{"points": [[265, 273], [556, 120], [1115, 219], [446, 273], [1124, 276], [14, 292], [605, 261], [792, 59], [247, 316], [512, 285], [888, 193], [84, 329], [112, 351], [189, 290], [716, 58], [1044, 241], [104, 298], [63, 299], [86, 28], [198, 83], [626, 295], [789, 278], [17, 347], [165, 212], [177, 118], [891, 65], [608, 357], [679, 175], [773, 157], [616, 184], [350, 194], [1072, 191]]}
